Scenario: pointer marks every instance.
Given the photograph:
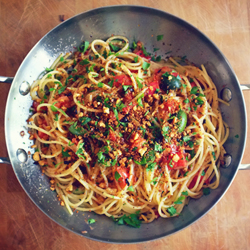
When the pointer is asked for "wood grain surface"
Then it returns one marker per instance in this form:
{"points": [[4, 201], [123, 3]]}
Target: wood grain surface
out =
{"points": [[23, 225]]}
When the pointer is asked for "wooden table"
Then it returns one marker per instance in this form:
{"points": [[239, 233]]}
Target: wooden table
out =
{"points": [[22, 224]]}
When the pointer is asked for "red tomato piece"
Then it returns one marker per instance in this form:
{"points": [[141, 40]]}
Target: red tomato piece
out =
{"points": [[152, 87], [192, 84], [128, 97], [123, 172], [63, 101], [35, 105], [122, 80], [193, 182], [112, 135], [136, 141], [75, 141], [171, 105], [170, 159], [141, 54], [158, 73], [43, 135]]}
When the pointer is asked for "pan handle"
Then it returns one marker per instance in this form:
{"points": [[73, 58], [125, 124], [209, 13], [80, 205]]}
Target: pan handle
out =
{"points": [[244, 87], [244, 166], [6, 79], [5, 160]]}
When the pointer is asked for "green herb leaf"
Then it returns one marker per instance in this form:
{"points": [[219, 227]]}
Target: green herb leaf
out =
{"points": [[206, 191], [179, 200], [172, 211], [84, 62], [131, 188], [154, 180], [53, 108], [136, 59], [158, 147], [139, 100], [56, 117], [194, 90], [203, 173], [185, 193], [151, 166], [84, 120], [100, 84], [214, 156], [48, 69], [131, 220], [117, 175], [199, 101], [65, 153], [113, 47], [145, 65], [159, 37], [139, 80], [186, 138], [91, 221], [126, 87], [61, 89]]}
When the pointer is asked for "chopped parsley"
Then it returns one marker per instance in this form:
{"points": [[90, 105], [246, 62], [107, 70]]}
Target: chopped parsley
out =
{"points": [[131, 220], [194, 90], [206, 191], [145, 65], [100, 84], [171, 211], [65, 153], [117, 175], [159, 37], [83, 47], [179, 200], [91, 221]]}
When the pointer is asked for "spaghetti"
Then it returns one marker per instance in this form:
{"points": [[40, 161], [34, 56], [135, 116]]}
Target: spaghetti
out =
{"points": [[120, 134]]}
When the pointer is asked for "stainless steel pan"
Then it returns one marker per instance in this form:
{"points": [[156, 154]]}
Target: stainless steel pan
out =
{"points": [[139, 23]]}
